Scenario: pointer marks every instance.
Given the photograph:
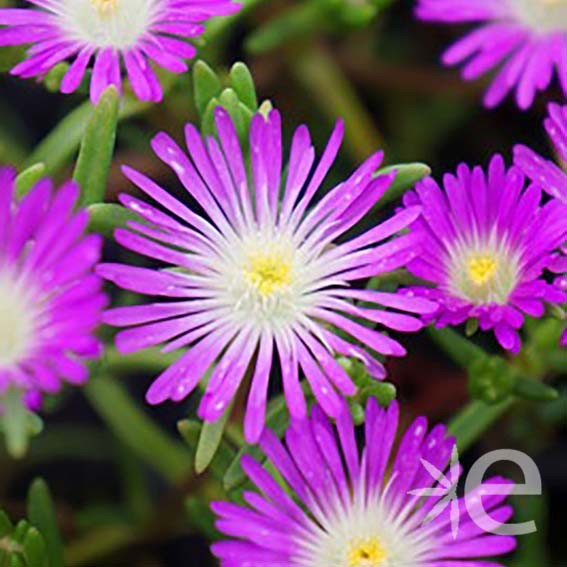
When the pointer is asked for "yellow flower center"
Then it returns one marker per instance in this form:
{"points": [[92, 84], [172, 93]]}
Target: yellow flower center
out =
{"points": [[105, 8], [482, 269], [367, 552], [268, 272]]}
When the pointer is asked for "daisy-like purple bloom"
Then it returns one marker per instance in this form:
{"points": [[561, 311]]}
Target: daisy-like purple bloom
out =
{"points": [[487, 239], [258, 274], [134, 33], [551, 178], [46, 279], [525, 40], [342, 507]]}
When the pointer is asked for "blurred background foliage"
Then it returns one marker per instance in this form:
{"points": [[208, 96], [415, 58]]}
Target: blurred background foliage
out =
{"points": [[122, 474]]}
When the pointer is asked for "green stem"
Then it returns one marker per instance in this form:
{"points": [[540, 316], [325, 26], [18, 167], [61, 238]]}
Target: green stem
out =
{"points": [[59, 146], [151, 360], [458, 348], [324, 80], [130, 424], [98, 544], [474, 419]]}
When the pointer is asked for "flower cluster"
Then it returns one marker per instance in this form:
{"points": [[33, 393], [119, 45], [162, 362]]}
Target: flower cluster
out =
{"points": [[46, 278], [108, 32], [526, 40]]}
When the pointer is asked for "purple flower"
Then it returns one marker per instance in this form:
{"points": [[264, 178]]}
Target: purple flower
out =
{"points": [[551, 178], [525, 40], [343, 507], [46, 278], [487, 240], [258, 274], [135, 32]]}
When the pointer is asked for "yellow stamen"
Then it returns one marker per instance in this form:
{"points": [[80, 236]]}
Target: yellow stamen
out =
{"points": [[482, 269], [105, 8], [367, 552], [268, 272]]}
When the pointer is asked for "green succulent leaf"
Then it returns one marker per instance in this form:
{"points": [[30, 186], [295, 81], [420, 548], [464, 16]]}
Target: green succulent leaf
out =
{"points": [[209, 441], [277, 419], [105, 218], [491, 379], [54, 76], [41, 513], [17, 423], [97, 148], [21, 545], [407, 175], [243, 84], [534, 390], [206, 86], [29, 177], [191, 430]]}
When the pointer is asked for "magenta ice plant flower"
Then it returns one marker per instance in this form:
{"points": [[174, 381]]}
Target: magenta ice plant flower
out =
{"points": [[487, 239], [133, 34], [255, 271], [333, 505], [552, 178], [51, 302], [525, 41]]}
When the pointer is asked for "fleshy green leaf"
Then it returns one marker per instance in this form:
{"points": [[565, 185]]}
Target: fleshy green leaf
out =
{"points": [[471, 327], [206, 86], [105, 218], [243, 84], [17, 423], [6, 526], [277, 419], [97, 148], [41, 513], [229, 100], [208, 118], [35, 548], [491, 379], [190, 430], [384, 392], [29, 177], [60, 145], [407, 175], [530, 389], [460, 349], [209, 441], [53, 78]]}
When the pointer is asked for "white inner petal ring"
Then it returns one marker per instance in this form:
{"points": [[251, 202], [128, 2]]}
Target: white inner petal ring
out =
{"points": [[107, 23], [16, 323]]}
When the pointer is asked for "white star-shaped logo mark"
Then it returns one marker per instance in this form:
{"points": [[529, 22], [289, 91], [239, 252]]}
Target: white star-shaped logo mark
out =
{"points": [[445, 489]]}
